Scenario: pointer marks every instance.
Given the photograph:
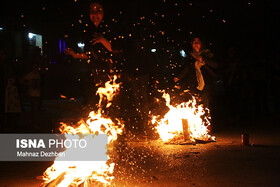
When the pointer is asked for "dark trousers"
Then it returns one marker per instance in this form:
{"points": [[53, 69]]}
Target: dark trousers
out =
{"points": [[139, 88]]}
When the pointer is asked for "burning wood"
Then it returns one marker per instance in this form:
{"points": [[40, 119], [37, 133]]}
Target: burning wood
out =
{"points": [[186, 132], [75, 173], [183, 123]]}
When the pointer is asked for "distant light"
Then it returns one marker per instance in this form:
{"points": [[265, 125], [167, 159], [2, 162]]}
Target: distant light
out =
{"points": [[31, 35], [60, 47], [183, 53], [81, 45], [153, 50], [1, 28]]}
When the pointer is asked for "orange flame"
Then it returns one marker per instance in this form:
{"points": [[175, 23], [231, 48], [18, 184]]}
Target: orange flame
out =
{"points": [[62, 96], [171, 124], [74, 173]]}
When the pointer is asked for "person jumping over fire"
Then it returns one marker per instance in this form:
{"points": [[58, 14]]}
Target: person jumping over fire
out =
{"points": [[198, 71], [98, 52]]}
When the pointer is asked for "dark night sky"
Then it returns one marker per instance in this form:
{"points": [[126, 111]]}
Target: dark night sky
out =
{"points": [[249, 25], [246, 23]]}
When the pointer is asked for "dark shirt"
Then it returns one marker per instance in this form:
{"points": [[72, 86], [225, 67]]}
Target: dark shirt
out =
{"points": [[99, 57], [187, 76]]}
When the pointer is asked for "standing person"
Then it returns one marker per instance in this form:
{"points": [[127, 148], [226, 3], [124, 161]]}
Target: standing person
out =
{"points": [[98, 52], [12, 105], [9, 89], [236, 82], [33, 81], [139, 66], [198, 71]]}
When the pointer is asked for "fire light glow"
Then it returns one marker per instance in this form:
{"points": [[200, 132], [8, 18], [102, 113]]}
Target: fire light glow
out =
{"points": [[89, 173], [86, 173], [171, 124]]}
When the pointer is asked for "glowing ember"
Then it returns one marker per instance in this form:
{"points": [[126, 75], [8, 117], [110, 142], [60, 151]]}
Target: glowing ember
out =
{"points": [[74, 173], [171, 125]]}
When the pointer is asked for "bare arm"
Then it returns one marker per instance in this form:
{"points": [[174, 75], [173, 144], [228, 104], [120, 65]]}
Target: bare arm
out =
{"points": [[71, 52], [104, 42]]}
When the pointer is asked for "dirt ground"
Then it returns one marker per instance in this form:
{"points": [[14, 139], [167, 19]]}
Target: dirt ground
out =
{"points": [[152, 163]]}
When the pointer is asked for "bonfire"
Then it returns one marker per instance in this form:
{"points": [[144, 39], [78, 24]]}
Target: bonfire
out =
{"points": [[87, 173], [186, 120]]}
